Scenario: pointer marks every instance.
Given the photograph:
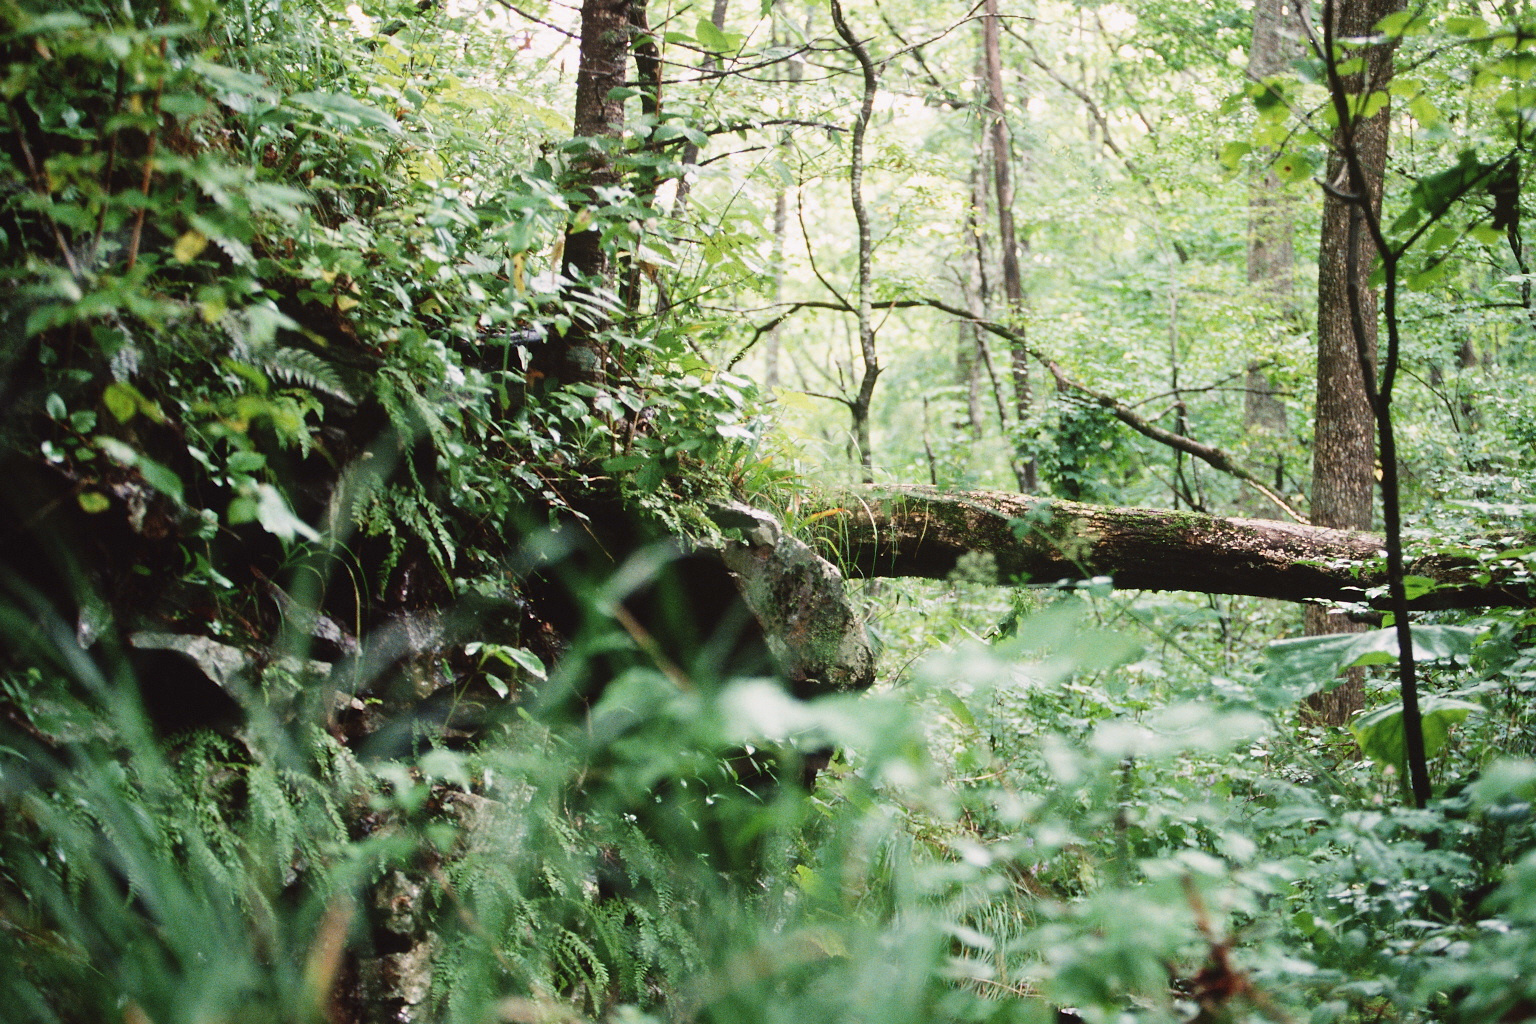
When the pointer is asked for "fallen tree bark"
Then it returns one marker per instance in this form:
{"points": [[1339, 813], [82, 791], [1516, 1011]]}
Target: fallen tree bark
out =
{"points": [[923, 532]]}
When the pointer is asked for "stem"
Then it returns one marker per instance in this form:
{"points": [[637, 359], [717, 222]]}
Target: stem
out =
{"points": [[149, 171], [1413, 720]]}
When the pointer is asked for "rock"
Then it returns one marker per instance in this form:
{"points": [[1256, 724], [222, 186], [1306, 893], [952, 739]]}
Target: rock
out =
{"points": [[813, 631]]}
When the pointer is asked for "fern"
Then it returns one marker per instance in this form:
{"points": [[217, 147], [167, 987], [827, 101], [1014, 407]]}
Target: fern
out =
{"points": [[304, 368]]}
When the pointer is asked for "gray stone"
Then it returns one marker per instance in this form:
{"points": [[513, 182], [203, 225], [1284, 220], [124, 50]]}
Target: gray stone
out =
{"points": [[820, 641]]}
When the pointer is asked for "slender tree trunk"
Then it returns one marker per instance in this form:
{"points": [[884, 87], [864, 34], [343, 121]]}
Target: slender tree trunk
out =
{"points": [[691, 149], [1343, 446], [972, 358], [861, 404], [1278, 39], [772, 341], [577, 355], [968, 371], [1007, 235], [648, 77]]}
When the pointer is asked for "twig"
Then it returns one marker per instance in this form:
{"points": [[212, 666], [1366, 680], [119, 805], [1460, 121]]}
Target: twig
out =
{"points": [[149, 171]]}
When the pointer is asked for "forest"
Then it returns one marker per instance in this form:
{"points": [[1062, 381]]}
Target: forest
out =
{"points": [[637, 511]]}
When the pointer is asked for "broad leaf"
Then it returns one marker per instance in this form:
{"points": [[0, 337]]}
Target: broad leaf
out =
{"points": [[1383, 738], [1303, 666]]}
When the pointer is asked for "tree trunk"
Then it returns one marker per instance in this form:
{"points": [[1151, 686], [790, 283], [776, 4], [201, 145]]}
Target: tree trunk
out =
{"points": [[771, 340], [1343, 446], [1007, 236], [977, 291], [862, 403], [923, 532], [968, 376], [577, 355], [648, 80], [1278, 39]]}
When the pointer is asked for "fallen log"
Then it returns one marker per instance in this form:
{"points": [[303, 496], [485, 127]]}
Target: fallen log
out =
{"points": [[924, 532]]}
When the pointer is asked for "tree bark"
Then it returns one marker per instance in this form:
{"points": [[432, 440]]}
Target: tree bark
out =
{"points": [[771, 340], [862, 402], [923, 532], [576, 356], [1344, 434], [1007, 235], [1278, 39]]}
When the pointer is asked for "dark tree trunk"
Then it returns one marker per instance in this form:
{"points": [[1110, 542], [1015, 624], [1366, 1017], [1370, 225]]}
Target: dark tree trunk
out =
{"points": [[577, 355], [1344, 435]]}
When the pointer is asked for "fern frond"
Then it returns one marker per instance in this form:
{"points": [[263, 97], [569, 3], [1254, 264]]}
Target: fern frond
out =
{"points": [[304, 368]]}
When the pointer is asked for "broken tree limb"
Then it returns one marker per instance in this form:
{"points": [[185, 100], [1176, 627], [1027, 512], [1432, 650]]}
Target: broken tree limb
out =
{"points": [[923, 532]]}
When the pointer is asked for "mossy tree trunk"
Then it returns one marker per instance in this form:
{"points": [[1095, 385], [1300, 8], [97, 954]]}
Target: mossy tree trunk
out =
{"points": [[923, 532]]}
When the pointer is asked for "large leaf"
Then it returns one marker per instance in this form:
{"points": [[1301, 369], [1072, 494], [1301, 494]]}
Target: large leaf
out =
{"points": [[1383, 738], [344, 110], [1303, 666]]}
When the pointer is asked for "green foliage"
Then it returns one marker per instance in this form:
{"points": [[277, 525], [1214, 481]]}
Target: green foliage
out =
{"points": [[277, 275]]}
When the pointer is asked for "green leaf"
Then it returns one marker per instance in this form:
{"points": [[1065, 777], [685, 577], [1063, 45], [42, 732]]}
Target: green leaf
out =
{"points": [[526, 660], [121, 400], [93, 502], [1428, 277], [1520, 99], [161, 478], [1303, 666], [1294, 167], [271, 510], [247, 462], [1465, 25], [957, 707], [346, 111], [28, 24], [119, 452], [1369, 105], [1486, 234], [1383, 738], [1403, 23], [1424, 111], [1232, 154], [236, 85], [712, 38], [1506, 780], [446, 765], [1441, 236]]}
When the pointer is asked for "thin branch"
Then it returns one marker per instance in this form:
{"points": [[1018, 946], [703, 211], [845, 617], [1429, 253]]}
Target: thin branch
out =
{"points": [[1094, 111], [537, 20], [1209, 454]]}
